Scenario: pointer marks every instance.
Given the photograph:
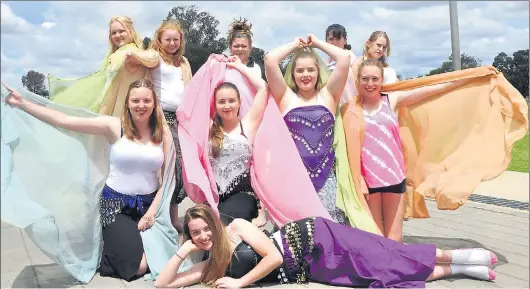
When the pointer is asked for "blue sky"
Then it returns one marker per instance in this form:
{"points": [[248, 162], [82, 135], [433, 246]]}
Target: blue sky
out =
{"points": [[73, 39]]}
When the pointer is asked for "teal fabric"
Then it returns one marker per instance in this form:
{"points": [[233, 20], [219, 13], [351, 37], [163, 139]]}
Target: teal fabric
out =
{"points": [[51, 184]]}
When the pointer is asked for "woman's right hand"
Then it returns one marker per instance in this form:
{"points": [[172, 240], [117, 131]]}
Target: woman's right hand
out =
{"points": [[14, 97], [300, 42], [189, 247]]}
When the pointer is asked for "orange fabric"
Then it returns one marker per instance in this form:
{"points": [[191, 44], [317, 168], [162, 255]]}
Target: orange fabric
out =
{"points": [[451, 142]]}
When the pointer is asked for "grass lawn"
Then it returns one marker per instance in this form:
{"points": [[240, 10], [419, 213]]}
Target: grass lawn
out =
{"points": [[519, 161]]}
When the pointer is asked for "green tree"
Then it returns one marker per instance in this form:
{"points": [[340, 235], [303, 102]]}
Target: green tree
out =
{"points": [[467, 61], [258, 56], [147, 42], [34, 82], [514, 69], [200, 32]]}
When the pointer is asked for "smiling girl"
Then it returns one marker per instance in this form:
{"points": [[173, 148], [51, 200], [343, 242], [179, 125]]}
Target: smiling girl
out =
{"points": [[104, 91], [308, 108], [139, 144], [378, 47], [171, 72]]}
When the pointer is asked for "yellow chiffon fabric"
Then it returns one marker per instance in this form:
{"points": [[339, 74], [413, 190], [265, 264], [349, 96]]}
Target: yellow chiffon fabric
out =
{"points": [[105, 90]]}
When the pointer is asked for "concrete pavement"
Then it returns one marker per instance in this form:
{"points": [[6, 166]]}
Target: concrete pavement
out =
{"points": [[488, 223]]}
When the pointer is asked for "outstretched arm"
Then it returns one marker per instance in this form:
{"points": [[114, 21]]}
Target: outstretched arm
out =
{"points": [[254, 116], [338, 77], [277, 84], [413, 96], [102, 125], [148, 58], [169, 278]]}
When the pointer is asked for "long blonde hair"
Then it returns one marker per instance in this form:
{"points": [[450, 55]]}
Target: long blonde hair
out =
{"points": [[156, 119], [156, 44], [373, 37], [364, 63], [220, 253], [305, 53], [127, 23]]}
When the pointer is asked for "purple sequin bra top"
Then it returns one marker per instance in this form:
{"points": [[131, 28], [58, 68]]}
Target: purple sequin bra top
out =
{"points": [[312, 130]]}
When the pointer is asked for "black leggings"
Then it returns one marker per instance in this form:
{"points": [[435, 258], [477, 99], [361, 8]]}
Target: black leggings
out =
{"points": [[240, 205]]}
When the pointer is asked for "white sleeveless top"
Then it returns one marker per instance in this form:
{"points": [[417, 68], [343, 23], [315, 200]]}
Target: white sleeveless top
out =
{"points": [[134, 166], [169, 85], [390, 75]]}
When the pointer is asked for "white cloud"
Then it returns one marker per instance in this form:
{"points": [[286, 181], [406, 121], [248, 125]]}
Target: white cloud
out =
{"points": [[48, 24], [72, 44], [11, 23]]}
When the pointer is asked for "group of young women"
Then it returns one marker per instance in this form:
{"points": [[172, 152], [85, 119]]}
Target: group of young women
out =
{"points": [[140, 100]]}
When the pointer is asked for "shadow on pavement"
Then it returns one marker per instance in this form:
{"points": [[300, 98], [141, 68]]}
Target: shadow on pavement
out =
{"points": [[452, 243], [48, 276]]}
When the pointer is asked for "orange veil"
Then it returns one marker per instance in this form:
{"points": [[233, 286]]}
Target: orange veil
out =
{"points": [[451, 142]]}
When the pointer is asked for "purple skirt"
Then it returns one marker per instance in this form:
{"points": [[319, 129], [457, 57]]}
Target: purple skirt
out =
{"points": [[346, 256]]}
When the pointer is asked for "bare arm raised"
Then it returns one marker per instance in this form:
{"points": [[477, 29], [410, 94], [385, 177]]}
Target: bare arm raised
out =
{"points": [[277, 84], [107, 126], [253, 118], [338, 77]]}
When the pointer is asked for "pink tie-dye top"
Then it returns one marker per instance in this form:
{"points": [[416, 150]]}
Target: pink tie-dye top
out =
{"points": [[382, 162]]}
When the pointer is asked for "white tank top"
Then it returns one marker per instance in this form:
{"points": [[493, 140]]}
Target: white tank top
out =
{"points": [[169, 85], [134, 166]]}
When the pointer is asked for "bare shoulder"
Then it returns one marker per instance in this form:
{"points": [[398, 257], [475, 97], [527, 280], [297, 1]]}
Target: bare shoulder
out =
{"points": [[239, 225]]}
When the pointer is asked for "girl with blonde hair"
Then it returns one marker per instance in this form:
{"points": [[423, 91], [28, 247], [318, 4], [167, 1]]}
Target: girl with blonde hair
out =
{"points": [[104, 198], [170, 72], [378, 47], [105, 90]]}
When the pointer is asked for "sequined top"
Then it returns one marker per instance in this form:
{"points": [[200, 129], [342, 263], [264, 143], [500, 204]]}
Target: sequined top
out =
{"points": [[312, 130], [294, 241], [231, 168]]}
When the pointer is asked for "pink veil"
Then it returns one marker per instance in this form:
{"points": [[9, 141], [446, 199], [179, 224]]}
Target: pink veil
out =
{"points": [[278, 175]]}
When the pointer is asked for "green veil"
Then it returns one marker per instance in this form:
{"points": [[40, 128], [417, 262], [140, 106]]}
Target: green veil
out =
{"points": [[51, 182], [347, 198]]}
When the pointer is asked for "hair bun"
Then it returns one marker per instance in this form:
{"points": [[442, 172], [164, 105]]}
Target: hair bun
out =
{"points": [[241, 26]]}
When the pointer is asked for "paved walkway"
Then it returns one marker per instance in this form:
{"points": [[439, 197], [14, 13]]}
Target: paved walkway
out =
{"points": [[502, 230], [516, 182]]}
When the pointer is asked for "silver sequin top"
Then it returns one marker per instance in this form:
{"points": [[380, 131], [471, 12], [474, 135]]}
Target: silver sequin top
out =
{"points": [[233, 162]]}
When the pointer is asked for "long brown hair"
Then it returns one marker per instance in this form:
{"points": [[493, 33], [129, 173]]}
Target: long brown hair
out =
{"points": [[216, 132], [304, 53], [373, 37], [127, 23], [156, 119], [220, 253], [364, 63], [156, 44]]}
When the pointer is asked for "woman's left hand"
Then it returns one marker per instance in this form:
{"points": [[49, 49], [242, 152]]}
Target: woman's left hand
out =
{"points": [[146, 221], [312, 40], [227, 282], [234, 61]]}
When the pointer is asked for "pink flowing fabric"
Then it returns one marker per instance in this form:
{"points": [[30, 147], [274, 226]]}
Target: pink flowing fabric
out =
{"points": [[278, 175]]}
